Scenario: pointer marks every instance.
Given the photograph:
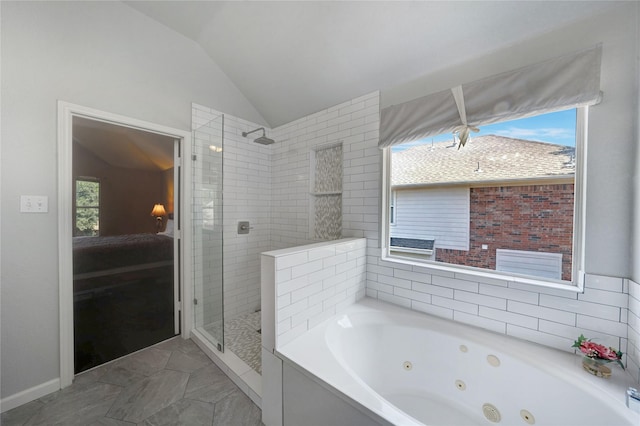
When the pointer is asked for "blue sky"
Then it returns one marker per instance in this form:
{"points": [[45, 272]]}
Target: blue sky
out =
{"points": [[557, 127]]}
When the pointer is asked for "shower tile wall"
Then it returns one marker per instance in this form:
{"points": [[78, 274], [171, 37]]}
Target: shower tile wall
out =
{"points": [[353, 123], [247, 197]]}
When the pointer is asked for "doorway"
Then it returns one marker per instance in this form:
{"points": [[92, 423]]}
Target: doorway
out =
{"points": [[120, 210]]}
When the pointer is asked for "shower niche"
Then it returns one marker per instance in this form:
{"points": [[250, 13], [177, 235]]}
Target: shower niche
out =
{"points": [[325, 204]]}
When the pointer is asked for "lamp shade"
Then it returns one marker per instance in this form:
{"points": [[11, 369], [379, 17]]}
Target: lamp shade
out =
{"points": [[158, 210]]}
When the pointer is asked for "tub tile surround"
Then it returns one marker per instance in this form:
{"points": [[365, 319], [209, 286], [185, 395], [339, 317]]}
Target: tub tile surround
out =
{"points": [[607, 311], [633, 333], [303, 286]]}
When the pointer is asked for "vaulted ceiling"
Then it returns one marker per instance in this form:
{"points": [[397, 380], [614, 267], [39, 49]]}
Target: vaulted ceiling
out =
{"points": [[294, 58]]}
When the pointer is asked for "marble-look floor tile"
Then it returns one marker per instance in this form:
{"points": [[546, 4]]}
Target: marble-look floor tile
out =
{"points": [[120, 376], [237, 409], [187, 362], [20, 415], [144, 388], [148, 396], [76, 406], [184, 412], [209, 384], [146, 362], [106, 421]]}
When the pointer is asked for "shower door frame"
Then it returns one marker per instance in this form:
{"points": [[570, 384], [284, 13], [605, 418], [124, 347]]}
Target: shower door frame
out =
{"points": [[66, 112]]}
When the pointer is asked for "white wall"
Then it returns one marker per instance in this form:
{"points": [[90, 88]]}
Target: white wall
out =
{"points": [[103, 55]]}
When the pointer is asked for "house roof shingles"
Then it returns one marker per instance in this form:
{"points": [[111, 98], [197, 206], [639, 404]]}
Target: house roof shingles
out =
{"points": [[498, 158]]}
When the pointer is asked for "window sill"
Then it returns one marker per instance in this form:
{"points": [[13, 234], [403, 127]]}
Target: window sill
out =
{"points": [[456, 271]]}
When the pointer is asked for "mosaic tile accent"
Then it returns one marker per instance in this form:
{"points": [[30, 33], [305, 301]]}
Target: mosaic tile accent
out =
{"points": [[242, 337], [328, 207], [328, 217], [328, 172]]}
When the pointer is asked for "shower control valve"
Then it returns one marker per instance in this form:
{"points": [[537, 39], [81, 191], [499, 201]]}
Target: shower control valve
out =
{"points": [[244, 227]]}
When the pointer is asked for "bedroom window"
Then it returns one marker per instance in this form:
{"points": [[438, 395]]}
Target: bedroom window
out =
{"points": [[87, 207], [504, 202]]}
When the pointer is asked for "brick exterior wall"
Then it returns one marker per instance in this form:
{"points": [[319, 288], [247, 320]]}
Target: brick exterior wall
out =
{"points": [[532, 218]]}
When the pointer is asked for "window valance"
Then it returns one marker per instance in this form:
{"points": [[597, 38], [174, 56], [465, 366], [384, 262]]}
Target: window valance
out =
{"points": [[569, 81]]}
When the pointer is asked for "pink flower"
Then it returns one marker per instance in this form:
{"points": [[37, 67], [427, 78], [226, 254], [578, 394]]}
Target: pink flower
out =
{"points": [[594, 350]]}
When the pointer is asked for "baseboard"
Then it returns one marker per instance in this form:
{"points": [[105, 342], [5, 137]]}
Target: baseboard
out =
{"points": [[29, 395]]}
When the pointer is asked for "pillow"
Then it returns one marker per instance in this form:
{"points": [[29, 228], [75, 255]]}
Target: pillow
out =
{"points": [[168, 230]]}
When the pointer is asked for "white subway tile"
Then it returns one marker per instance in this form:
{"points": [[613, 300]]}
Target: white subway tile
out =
{"points": [[509, 317], [602, 282], [306, 268], [604, 297], [555, 315], [413, 295], [592, 309], [480, 299], [290, 310], [455, 283], [456, 305], [476, 321], [396, 282], [605, 326], [430, 309], [432, 289], [413, 276], [305, 292], [540, 337], [509, 293], [396, 300]]}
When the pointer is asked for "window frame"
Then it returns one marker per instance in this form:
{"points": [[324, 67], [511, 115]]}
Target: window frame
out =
{"points": [[75, 200], [578, 251]]}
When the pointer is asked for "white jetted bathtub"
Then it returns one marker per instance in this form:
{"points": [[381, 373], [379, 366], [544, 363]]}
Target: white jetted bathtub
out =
{"points": [[407, 368]]}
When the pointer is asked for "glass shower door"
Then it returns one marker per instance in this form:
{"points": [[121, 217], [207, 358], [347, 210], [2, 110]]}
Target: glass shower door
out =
{"points": [[207, 230]]}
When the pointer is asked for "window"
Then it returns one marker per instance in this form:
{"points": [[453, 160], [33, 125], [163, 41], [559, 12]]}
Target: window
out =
{"points": [[87, 207], [507, 202]]}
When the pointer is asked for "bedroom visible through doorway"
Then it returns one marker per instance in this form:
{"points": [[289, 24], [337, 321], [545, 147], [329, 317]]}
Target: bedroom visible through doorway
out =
{"points": [[125, 263]]}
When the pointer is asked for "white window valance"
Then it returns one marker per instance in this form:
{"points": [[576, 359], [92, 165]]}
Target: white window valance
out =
{"points": [[569, 81]]}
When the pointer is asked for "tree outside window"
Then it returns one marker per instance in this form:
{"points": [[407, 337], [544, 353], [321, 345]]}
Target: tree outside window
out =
{"points": [[87, 217]]}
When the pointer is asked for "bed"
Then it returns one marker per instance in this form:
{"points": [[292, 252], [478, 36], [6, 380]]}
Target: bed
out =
{"points": [[109, 260]]}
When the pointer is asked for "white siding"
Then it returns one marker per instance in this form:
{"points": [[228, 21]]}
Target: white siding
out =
{"points": [[440, 213], [538, 264]]}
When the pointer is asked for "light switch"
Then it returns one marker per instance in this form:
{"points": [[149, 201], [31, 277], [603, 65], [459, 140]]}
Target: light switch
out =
{"points": [[34, 204]]}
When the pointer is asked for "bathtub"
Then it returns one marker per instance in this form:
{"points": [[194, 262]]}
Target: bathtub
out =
{"points": [[402, 367]]}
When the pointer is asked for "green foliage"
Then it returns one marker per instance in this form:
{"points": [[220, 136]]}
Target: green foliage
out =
{"points": [[87, 207]]}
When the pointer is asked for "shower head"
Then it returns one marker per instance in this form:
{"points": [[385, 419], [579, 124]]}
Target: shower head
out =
{"points": [[263, 140]]}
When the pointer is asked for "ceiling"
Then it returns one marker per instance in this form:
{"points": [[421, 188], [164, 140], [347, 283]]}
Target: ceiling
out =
{"points": [[293, 58], [124, 147]]}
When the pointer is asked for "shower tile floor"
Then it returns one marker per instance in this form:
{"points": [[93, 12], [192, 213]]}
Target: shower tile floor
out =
{"points": [[242, 337]]}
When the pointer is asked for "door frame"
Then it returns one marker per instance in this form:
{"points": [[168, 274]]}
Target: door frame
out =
{"points": [[66, 112]]}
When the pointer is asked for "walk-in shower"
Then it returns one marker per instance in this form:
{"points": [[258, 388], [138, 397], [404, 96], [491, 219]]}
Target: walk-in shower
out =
{"points": [[239, 332], [263, 140], [207, 231]]}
